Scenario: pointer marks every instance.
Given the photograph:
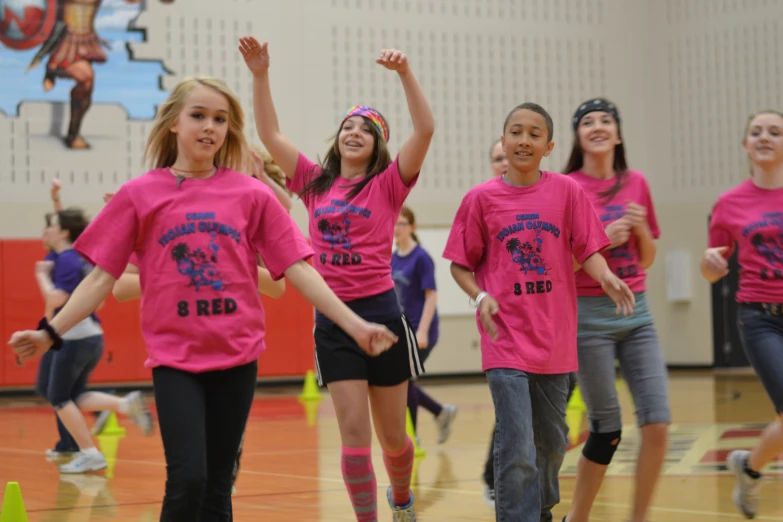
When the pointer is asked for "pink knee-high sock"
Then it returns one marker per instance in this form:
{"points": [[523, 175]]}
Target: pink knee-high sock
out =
{"points": [[359, 477], [400, 467]]}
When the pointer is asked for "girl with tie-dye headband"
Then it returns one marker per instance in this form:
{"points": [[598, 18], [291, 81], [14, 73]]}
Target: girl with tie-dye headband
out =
{"points": [[353, 200]]}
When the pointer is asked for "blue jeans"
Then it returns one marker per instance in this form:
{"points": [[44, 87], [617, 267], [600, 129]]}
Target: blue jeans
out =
{"points": [[62, 377], [762, 338], [531, 438]]}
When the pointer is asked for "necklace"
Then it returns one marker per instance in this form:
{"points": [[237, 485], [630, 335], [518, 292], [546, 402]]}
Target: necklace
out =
{"points": [[178, 172]]}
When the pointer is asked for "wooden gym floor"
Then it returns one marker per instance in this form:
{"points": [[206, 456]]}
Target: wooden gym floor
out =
{"points": [[290, 468]]}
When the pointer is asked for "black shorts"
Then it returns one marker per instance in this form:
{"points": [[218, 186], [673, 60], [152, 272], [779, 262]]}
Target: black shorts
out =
{"points": [[339, 358]]}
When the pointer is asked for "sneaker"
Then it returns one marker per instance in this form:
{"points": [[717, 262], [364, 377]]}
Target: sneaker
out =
{"points": [[401, 513], [85, 461], [444, 421], [57, 454], [139, 413], [100, 423], [489, 496], [746, 489]]}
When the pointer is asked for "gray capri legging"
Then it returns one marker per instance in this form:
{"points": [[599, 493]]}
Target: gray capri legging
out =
{"points": [[604, 336]]}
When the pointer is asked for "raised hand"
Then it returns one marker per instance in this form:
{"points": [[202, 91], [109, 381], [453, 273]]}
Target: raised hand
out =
{"points": [[107, 196], [256, 55], [55, 190], [393, 60]]}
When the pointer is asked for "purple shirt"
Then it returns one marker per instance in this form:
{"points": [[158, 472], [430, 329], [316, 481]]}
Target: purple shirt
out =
{"points": [[69, 270], [412, 275]]}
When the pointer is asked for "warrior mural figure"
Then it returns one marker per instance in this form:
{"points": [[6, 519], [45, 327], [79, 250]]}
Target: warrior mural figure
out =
{"points": [[65, 31]]}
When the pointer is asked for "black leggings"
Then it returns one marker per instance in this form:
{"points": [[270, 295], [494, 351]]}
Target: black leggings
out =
{"points": [[202, 418]]}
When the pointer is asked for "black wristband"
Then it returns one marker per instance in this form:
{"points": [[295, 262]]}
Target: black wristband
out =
{"points": [[43, 324]]}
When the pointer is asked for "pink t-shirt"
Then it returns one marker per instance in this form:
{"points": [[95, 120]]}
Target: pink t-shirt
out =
{"points": [[519, 242], [196, 249], [353, 239], [624, 259], [751, 218]]}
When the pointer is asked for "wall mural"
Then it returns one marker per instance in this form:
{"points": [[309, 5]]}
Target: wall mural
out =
{"points": [[76, 52]]}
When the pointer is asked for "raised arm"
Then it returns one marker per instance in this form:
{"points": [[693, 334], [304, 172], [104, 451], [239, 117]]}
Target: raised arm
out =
{"points": [[55, 193], [414, 150], [256, 57]]}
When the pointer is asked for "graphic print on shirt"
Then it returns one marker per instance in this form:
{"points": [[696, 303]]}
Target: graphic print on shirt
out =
{"points": [[621, 255], [334, 224], [768, 243], [199, 265], [197, 259], [526, 251], [527, 256], [336, 233]]}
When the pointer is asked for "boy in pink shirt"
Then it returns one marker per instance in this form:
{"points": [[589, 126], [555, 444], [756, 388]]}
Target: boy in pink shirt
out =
{"points": [[196, 226], [511, 247], [749, 217]]}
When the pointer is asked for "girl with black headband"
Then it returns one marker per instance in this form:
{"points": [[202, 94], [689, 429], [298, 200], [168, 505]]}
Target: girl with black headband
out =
{"points": [[622, 199], [353, 200]]}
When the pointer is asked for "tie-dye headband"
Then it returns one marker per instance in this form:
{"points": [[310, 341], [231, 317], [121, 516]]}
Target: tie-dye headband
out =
{"points": [[370, 113]]}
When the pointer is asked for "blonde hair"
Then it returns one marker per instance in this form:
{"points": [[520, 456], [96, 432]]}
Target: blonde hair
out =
{"points": [[271, 168], [161, 150]]}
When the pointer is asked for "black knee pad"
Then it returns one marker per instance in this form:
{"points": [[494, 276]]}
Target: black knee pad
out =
{"points": [[600, 447]]}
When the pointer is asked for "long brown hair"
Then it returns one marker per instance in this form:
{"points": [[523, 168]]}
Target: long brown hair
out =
{"points": [[161, 150], [330, 166], [620, 166], [407, 213]]}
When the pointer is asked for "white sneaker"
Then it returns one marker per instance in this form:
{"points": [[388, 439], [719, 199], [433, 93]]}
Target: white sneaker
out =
{"points": [[444, 421], [489, 496], [139, 413], [85, 461], [54, 454], [746, 489]]}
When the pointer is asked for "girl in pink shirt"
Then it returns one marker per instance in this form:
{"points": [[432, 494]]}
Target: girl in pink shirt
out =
{"points": [[262, 167], [749, 218], [353, 199], [622, 200], [511, 248], [196, 226]]}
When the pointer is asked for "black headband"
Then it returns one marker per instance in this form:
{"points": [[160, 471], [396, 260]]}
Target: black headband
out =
{"points": [[596, 105]]}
